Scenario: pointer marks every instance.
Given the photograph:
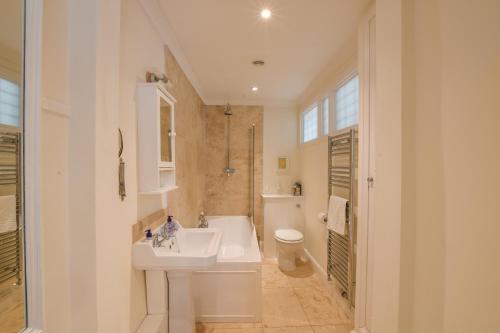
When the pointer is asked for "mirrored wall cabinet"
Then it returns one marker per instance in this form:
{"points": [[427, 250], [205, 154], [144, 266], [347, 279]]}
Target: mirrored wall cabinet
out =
{"points": [[156, 141]]}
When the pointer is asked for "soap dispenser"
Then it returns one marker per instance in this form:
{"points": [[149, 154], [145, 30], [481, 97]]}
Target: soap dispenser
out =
{"points": [[171, 226], [148, 234]]}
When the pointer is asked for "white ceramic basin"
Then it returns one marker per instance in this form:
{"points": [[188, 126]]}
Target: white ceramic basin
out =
{"points": [[196, 249]]}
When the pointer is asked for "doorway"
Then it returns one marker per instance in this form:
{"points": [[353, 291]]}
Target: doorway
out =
{"points": [[366, 184], [12, 249]]}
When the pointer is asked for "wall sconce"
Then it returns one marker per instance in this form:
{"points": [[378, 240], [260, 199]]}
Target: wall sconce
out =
{"points": [[152, 77]]}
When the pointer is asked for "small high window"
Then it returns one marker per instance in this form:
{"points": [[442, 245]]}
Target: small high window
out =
{"points": [[10, 105], [310, 124], [346, 104]]}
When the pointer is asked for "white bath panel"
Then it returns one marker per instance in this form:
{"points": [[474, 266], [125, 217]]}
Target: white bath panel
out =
{"points": [[228, 294]]}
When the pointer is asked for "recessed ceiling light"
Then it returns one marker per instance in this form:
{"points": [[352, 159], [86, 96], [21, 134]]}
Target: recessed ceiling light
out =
{"points": [[255, 88], [265, 13]]}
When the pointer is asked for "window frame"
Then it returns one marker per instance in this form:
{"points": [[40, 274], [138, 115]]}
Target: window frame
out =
{"points": [[328, 98]]}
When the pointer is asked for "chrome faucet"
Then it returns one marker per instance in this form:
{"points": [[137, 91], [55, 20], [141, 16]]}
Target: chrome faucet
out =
{"points": [[202, 221], [167, 232], [157, 242]]}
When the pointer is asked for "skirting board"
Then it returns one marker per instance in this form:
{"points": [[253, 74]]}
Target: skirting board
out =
{"points": [[317, 267], [153, 324]]}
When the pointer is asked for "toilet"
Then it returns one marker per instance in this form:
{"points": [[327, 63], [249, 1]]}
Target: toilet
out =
{"points": [[290, 245]]}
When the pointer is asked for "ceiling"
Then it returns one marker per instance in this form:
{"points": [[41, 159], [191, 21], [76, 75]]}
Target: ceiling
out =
{"points": [[221, 38]]}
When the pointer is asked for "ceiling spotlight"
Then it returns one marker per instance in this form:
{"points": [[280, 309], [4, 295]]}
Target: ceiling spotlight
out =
{"points": [[255, 88], [265, 13]]}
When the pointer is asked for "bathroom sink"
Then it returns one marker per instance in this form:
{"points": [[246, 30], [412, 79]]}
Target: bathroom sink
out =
{"points": [[192, 249]]}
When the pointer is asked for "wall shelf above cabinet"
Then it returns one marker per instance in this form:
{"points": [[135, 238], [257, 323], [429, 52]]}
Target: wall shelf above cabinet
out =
{"points": [[160, 191], [156, 142]]}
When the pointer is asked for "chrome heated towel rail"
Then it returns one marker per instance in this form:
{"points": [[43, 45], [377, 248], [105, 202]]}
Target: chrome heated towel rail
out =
{"points": [[10, 241], [342, 168]]}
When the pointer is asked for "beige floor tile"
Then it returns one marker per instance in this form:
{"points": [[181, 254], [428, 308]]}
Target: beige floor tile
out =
{"points": [[281, 308], [237, 330], [305, 329], [228, 325], [228, 328], [272, 277], [269, 261], [320, 308], [333, 329], [303, 276], [302, 269], [310, 282], [11, 307]]}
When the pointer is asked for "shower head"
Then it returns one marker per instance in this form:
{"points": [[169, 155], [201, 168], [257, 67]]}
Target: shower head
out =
{"points": [[227, 110]]}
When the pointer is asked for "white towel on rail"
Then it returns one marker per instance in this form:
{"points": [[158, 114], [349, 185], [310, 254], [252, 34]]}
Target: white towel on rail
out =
{"points": [[7, 213], [336, 214]]}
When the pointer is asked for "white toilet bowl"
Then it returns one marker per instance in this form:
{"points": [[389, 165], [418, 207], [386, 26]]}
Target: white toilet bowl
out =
{"points": [[290, 244]]}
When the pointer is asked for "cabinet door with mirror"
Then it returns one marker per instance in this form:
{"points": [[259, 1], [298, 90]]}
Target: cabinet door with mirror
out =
{"points": [[167, 134], [156, 138], [12, 273]]}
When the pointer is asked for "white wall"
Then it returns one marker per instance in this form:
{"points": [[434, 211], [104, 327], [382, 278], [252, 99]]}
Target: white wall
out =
{"points": [[470, 118], [456, 224], [280, 139], [99, 233], [314, 172], [386, 222], [10, 64], [142, 50], [313, 156], [54, 168]]}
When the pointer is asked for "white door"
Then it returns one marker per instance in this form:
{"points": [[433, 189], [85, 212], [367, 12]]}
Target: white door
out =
{"points": [[367, 183]]}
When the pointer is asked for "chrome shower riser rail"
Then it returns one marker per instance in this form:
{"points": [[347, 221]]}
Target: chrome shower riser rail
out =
{"points": [[251, 212]]}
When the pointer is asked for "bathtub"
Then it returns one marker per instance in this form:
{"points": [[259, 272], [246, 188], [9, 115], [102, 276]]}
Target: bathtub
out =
{"points": [[230, 291]]}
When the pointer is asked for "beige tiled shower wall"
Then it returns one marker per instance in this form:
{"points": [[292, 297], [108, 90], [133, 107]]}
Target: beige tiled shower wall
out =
{"points": [[230, 195], [186, 202]]}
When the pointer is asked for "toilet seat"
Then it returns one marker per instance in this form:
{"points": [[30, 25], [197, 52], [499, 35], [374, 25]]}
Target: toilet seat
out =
{"points": [[288, 235]]}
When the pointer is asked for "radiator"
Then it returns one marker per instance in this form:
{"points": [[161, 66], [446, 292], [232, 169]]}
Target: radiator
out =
{"points": [[11, 241], [342, 166]]}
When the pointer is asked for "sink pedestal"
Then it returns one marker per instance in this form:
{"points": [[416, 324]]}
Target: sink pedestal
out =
{"points": [[173, 299], [180, 296], [196, 249]]}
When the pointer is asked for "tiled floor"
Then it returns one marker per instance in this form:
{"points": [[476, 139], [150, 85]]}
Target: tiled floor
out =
{"points": [[292, 303], [11, 307]]}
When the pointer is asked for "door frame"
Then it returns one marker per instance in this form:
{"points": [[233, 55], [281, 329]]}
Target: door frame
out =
{"points": [[31, 158], [364, 267]]}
